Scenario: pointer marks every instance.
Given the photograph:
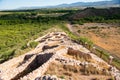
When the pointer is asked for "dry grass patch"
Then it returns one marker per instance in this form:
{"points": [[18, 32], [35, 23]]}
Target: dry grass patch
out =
{"points": [[104, 35]]}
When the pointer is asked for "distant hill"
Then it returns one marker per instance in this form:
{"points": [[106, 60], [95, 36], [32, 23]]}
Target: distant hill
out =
{"points": [[88, 12], [113, 3], [92, 4]]}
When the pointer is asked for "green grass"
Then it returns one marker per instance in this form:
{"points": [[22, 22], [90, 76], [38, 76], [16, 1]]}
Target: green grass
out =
{"points": [[16, 37], [62, 77], [33, 44]]}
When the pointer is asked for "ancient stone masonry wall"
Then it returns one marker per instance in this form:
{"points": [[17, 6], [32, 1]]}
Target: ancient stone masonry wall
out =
{"points": [[48, 77], [53, 47], [40, 70], [11, 73]]}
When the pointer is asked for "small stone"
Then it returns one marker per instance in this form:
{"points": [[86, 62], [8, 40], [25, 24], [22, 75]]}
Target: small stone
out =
{"points": [[49, 78], [54, 77], [38, 78], [45, 77]]}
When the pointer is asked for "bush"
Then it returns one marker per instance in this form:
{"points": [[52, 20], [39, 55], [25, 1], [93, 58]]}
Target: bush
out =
{"points": [[33, 44], [85, 41], [79, 31], [77, 22], [81, 40], [80, 23], [24, 46], [62, 77]]}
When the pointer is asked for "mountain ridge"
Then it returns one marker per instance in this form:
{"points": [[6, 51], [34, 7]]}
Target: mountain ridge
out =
{"points": [[113, 3]]}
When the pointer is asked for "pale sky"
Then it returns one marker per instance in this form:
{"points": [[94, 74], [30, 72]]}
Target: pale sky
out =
{"points": [[13, 4]]}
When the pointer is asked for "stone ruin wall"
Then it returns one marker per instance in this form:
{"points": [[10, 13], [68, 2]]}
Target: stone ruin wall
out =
{"points": [[35, 63]]}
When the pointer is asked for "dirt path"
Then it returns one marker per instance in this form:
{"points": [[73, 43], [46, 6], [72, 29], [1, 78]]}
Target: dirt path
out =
{"points": [[69, 26]]}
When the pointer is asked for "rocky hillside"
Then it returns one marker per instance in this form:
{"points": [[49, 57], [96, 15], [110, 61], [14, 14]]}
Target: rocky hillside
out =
{"points": [[90, 12], [57, 57]]}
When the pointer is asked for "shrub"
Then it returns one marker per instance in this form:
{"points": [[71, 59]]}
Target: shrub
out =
{"points": [[80, 23], [24, 46], [79, 31], [62, 77], [85, 41], [82, 40], [77, 22]]}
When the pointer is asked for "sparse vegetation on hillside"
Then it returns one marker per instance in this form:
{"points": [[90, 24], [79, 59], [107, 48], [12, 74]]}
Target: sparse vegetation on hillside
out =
{"points": [[110, 15], [106, 56]]}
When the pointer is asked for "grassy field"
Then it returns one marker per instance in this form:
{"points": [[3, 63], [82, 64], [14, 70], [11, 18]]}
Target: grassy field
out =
{"points": [[15, 37]]}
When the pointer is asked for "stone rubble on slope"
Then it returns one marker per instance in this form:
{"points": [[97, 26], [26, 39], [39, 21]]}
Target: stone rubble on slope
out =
{"points": [[53, 46]]}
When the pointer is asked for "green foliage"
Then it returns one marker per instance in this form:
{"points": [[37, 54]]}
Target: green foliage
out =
{"points": [[73, 37], [16, 36], [79, 31], [62, 77], [85, 41], [24, 47], [19, 27], [6, 55], [94, 19], [33, 44], [80, 22], [116, 62], [105, 56], [96, 15]]}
